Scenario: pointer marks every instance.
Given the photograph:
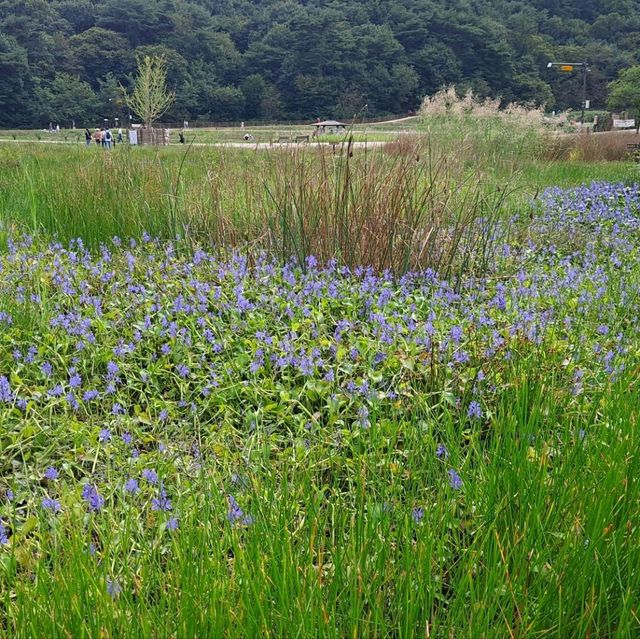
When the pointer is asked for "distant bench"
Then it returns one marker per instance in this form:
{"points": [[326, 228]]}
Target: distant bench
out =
{"points": [[301, 138]]}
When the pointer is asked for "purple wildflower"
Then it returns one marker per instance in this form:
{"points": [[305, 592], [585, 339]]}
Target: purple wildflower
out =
{"points": [[162, 502], [75, 381], [235, 514], [6, 394], [112, 369], [475, 410], [131, 486], [172, 523], [104, 435], [117, 409], [72, 401], [454, 479], [4, 539], [417, 514], [51, 473], [113, 588], [52, 505], [363, 417], [94, 500], [183, 370], [150, 476], [442, 452]]}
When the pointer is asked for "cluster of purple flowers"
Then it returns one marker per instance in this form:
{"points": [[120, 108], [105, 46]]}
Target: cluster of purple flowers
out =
{"points": [[92, 497], [235, 514], [149, 340]]}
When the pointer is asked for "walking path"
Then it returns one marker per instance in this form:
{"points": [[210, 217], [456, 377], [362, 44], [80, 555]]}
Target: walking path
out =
{"points": [[247, 146]]}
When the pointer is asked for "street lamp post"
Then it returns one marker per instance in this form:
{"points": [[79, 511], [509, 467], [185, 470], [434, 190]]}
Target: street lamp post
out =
{"points": [[570, 66]]}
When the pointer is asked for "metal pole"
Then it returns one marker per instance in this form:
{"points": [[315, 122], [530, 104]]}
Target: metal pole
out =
{"points": [[584, 90]]}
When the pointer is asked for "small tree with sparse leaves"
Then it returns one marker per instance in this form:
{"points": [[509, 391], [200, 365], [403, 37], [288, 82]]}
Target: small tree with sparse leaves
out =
{"points": [[150, 97]]}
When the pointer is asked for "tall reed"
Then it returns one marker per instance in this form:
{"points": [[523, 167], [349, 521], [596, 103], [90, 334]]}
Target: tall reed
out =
{"points": [[403, 208]]}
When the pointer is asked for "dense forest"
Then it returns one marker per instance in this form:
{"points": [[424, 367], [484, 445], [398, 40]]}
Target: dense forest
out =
{"points": [[231, 60]]}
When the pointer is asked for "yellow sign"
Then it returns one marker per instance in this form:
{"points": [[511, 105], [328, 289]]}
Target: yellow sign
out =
{"points": [[566, 67]]}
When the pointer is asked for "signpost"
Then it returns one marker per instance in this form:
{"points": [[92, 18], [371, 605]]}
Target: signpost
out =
{"points": [[568, 67]]}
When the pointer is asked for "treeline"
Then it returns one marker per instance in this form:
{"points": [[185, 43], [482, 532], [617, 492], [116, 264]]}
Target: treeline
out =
{"points": [[64, 60]]}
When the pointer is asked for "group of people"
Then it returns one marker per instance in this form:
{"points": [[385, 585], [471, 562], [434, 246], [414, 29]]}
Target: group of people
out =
{"points": [[106, 138], [103, 137]]}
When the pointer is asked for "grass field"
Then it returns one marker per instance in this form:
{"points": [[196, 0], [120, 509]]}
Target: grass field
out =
{"points": [[380, 392], [220, 135]]}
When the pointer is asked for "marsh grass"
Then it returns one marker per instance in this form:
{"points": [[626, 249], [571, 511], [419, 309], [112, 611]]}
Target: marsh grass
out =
{"points": [[401, 208], [542, 541], [432, 200], [404, 208], [611, 146]]}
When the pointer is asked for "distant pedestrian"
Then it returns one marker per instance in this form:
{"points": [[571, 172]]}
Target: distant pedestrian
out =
{"points": [[167, 134], [97, 136], [108, 138], [57, 128], [120, 136], [181, 137], [87, 137]]}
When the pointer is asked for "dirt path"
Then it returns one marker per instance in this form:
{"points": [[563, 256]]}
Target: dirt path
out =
{"points": [[256, 146], [404, 119]]}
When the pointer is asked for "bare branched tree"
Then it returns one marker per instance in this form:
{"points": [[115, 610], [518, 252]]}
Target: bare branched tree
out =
{"points": [[150, 97]]}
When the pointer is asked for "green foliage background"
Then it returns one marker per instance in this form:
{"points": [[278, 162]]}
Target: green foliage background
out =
{"points": [[61, 60]]}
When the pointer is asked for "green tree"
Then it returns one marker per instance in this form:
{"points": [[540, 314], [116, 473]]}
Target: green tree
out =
{"points": [[98, 52], [14, 71], [65, 100], [150, 97], [253, 88], [624, 93]]}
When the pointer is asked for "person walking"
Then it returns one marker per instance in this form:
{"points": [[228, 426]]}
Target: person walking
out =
{"points": [[87, 137], [97, 136], [120, 135], [108, 138]]}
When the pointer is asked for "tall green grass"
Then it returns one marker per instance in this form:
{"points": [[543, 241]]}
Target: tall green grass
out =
{"points": [[541, 540]]}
